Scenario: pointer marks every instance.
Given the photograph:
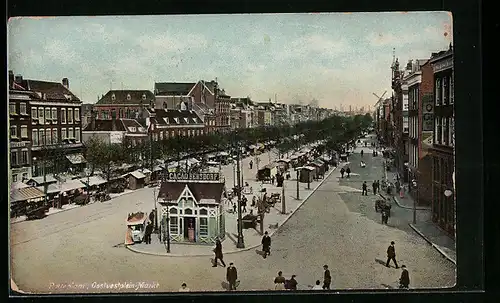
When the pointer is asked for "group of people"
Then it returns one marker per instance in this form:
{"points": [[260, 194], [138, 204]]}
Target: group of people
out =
{"points": [[404, 280], [347, 171]]}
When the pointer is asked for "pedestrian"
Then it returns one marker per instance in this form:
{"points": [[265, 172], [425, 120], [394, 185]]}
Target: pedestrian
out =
{"points": [[391, 255], [342, 171], [377, 186], [279, 281], [292, 283], [266, 244], [317, 286], [251, 164], [232, 276], [234, 207], [272, 180], [365, 190], [254, 201], [327, 278], [362, 153], [152, 216], [348, 171], [374, 187], [404, 281], [365, 143], [148, 232], [244, 204], [184, 288], [218, 254], [385, 216]]}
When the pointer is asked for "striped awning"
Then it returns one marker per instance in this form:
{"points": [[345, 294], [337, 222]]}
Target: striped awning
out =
{"points": [[26, 194]]}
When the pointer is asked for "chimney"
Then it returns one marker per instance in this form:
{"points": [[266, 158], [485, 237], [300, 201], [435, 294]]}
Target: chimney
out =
{"points": [[65, 82], [113, 120], [18, 79], [11, 77]]}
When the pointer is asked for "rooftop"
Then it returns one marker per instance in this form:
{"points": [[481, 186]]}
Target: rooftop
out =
{"points": [[127, 97], [202, 191]]}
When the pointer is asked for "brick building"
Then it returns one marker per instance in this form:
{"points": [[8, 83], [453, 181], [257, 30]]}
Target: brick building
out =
{"points": [[170, 123], [128, 104], [442, 151]]}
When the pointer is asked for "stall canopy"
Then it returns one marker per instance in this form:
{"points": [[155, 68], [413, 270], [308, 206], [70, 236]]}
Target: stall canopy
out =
{"points": [[93, 181], [76, 158], [284, 160], [223, 153], [71, 185], [26, 194], [137, 174], [39, 180], [51, 189], [18, 185]]}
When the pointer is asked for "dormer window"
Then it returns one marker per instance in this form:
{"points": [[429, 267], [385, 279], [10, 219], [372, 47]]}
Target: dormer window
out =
{"points": [[141, 129], [195, 120], [68, 97], [176, 120], [186, 120], [128, 97], [113, 97], [132, 129], [166, 120], [143, 96]]}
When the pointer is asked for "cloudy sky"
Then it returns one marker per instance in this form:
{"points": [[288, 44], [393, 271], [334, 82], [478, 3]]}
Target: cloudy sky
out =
{"points": [[337, 59]]}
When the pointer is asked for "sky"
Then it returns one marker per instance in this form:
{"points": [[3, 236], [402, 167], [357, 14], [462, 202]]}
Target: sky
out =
{"points": [[332, 60]]}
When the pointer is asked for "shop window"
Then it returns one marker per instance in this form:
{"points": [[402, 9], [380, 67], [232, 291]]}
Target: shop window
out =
{"points": [[174, 225], [203, 226]]}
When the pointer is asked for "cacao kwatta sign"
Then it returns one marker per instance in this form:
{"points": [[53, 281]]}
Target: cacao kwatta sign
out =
{"points": [[427, 112]]}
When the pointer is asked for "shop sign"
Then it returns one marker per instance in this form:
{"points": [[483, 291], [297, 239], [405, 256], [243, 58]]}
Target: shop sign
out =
{"points": [[192, 176]]}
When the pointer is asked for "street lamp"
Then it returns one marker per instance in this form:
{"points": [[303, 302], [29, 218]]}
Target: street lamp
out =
{"points": [[156, 210], [240, 243], [88, 171], [297, 171]]}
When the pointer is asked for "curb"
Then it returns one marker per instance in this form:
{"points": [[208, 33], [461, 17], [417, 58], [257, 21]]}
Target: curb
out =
{"points": [[407, 207], [433, 245], [130, 247]]}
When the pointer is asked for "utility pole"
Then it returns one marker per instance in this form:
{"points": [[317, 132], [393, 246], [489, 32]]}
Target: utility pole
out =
{"points": [[283, 205], [298, 197], [240, 243]]}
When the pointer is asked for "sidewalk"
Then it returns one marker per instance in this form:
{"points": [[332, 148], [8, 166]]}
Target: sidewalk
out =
{"points": [[252, 238], [429, 231]]}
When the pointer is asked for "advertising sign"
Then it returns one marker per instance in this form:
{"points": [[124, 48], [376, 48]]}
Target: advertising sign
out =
{"points": [[192, 177], [427, 112]]}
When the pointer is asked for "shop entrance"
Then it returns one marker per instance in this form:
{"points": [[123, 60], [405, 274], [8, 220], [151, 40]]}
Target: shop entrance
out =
{"points": [[189, 229]]}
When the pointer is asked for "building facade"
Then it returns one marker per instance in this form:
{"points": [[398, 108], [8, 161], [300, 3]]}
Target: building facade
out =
{"points": [[442, 151], [128, 104], [171, 123], [191, 208], [115, 131]]}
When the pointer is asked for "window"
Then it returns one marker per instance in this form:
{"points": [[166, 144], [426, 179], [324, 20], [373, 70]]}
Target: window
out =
{"points": [[161, 135], [166, 134], [438, 92], [47, 114], [437, 132], [70, 115], [12, 108], [24, 158], [71, 133], [40, 113], [13, 131], [445, 91], [25, 176], [173, 134], [48, 136], [24, 131], [34, 137], [55, 137], [14, 178], [203, 226], [63, 115], [64, 133], [54, 113], [451, 93], [77, 134], [174, 225], [203, 212], [41, 135], [34, 113], [77, 114], [22, 108], [13, 158], [446, 131]]}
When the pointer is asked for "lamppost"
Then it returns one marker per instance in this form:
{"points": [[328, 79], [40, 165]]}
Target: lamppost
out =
{"points": [[88, 171], [44, 180], [240, 243], [156, 210], [298, 175], [283, 205], [168, 229]]}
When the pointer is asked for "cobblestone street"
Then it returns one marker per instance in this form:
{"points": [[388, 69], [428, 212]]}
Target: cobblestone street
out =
{"points": [[83, 246]]}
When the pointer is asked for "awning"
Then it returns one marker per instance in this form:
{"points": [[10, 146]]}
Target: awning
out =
{"points": [[93, 180], [51, 189], [224, 154], [39, 180], [76, 158], [18, 185], [308, 168], [158, 168], [145, 171], [284, 160], [26, 194], [71, 185]]}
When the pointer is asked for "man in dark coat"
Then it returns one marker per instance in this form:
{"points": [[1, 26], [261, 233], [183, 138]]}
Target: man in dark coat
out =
{"points": [[365, 189], [377, 185], [374, 187], [148, 232], [251, 164], [244, 204], [342, 171], [404, 281], [362, 152], [327, 278], [391, 255], [218, 254], [152, 216], [292, 283], [266, 244], [232, 276], [348, 171]]}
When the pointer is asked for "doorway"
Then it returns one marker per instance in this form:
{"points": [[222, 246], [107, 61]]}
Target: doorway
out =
{"points": [[189, 229]]}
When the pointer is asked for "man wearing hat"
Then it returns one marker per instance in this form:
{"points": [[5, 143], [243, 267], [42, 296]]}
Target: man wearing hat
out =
{"points": [[292, 283], [327, 278], [232, 276], [391, 255], [404, 281]]}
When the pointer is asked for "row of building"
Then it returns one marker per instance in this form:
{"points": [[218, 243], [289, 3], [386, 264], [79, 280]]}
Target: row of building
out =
{"points": [[417, 123], [46, 117]]}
